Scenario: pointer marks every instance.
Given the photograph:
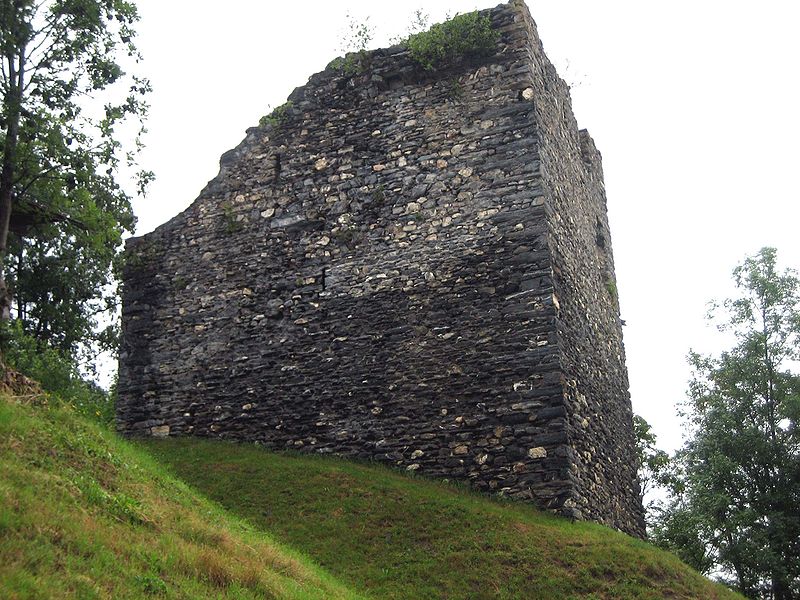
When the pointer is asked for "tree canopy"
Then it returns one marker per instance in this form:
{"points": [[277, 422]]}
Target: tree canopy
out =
{"points": [[65, 99], [735, 504]]}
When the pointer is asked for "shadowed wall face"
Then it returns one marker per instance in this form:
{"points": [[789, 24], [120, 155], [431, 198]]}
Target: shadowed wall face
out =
{"points": [[411, 267]]}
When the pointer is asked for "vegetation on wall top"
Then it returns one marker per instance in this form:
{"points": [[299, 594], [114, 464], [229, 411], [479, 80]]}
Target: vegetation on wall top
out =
{"points": [[442, 45], [353, 45], [277, 116], [464, 36]]}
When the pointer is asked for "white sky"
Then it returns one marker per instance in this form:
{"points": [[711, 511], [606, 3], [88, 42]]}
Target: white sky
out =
{"points": [[693, 104]]}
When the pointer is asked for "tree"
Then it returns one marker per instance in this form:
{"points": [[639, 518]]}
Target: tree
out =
{"points": [[653, 462], [65, 97], [739, 482], [669, 524]]}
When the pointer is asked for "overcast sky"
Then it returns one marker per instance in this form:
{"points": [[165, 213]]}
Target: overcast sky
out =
{"points": [[693, 104]]}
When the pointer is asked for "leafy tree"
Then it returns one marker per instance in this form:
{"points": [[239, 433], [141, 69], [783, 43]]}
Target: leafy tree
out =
{"points": [[65, 97], [670, 524], [736, 501], [653, 462], [674, 524]]}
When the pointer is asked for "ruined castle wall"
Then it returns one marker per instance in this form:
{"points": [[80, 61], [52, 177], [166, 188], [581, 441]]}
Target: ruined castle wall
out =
{"points": [[603, 461], [601, 439], [377, 276]]}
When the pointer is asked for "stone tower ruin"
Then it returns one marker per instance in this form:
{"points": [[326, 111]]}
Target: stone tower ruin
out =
{"points": [[401, 265]]}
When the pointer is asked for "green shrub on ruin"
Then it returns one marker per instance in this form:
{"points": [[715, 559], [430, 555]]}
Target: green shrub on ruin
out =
{"points": [[463, 37], [278, 116], [354, 43], [353, 63], [232, 225]]}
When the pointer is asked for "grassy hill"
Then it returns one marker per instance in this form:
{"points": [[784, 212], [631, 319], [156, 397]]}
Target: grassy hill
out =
{"points": [[85, 515], [393, 536]]}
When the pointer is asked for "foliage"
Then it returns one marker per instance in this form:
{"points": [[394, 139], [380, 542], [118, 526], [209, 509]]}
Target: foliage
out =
{"points": [[675, 526], [419, 22], [613, 292], [455, 91], [84, 514], [57, 373], [278, 115], [180, 283], [352, 63], [379, 195], [395, 536], [358, 36], [735, 503], [67, 105], [463, 37], [229, 219], [64, 286], [653, 462], [353, 44]]}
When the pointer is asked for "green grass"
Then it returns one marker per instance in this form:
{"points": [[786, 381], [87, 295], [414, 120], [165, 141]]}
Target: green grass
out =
{"points": [[394, 536], [85, 515]]}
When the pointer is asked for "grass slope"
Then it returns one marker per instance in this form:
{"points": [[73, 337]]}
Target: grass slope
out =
{"points": [[85, 515], [399, 537]]}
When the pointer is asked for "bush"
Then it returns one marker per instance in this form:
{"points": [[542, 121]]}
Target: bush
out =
{"points": [[354, 63], [464, 36], [56, 372], [278, 116]]}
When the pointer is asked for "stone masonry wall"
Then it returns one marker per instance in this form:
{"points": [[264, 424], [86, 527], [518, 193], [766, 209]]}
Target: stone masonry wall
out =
{"points": [[410, 267]]}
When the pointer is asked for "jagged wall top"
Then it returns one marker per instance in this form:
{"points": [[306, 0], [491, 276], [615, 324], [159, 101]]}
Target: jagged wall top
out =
{"points": [[384, 68]]}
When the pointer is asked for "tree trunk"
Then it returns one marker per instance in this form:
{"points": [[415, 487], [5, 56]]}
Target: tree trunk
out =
{"points": [[13, 106], [6, 184]]}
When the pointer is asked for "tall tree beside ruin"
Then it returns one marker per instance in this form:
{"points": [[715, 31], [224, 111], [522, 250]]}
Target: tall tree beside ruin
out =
{"points": [[65, 97], [736, 497]]}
